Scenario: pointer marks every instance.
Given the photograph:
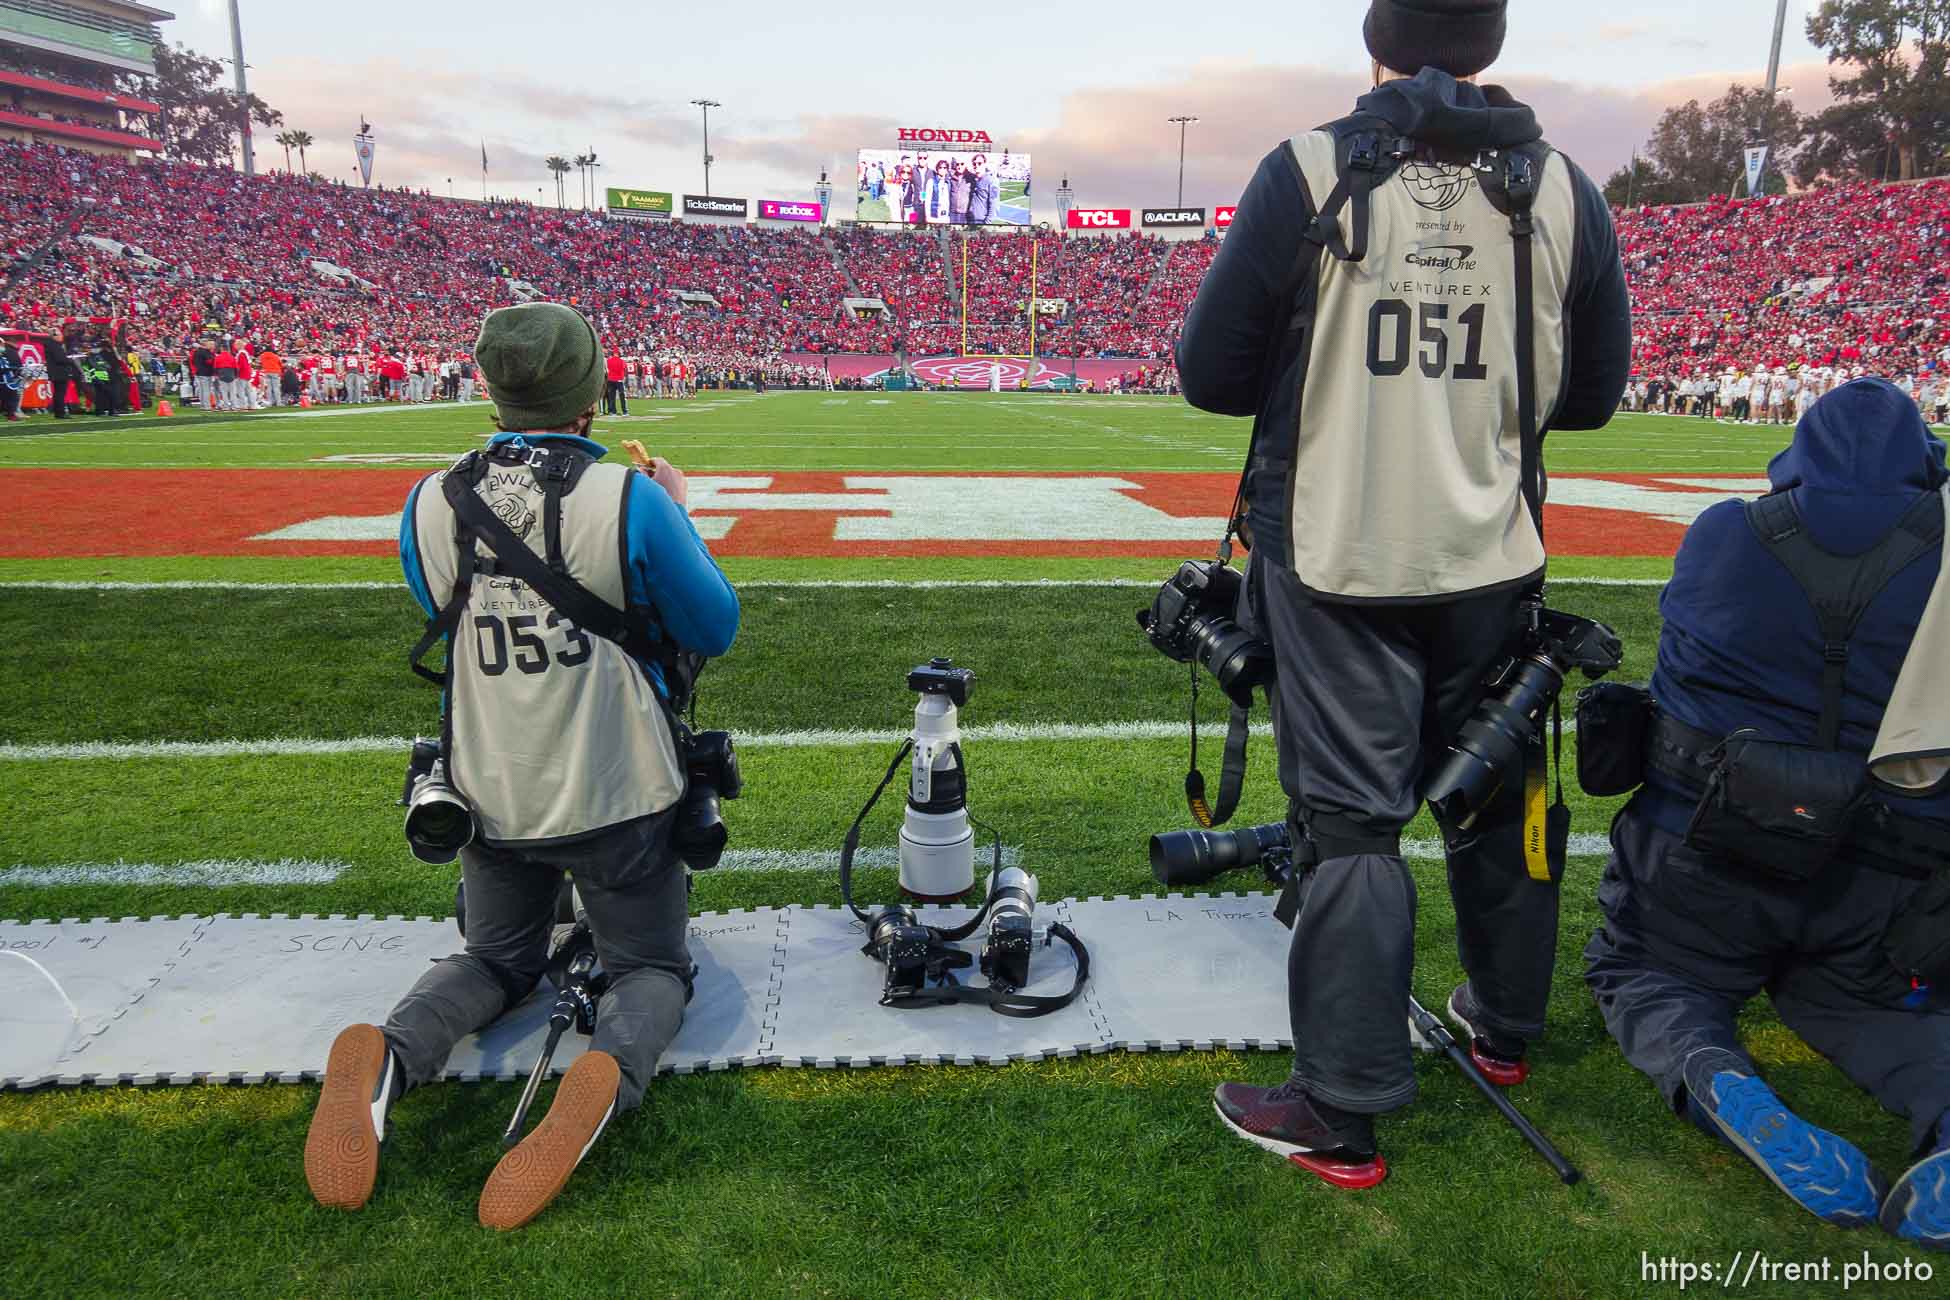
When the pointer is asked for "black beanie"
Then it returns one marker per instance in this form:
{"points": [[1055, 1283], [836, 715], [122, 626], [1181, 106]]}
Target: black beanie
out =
{"points": [[1461, 37]]}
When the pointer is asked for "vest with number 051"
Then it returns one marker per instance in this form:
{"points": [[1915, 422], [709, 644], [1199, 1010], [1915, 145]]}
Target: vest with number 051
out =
{"points": [[1404, 481], [553, 733]]}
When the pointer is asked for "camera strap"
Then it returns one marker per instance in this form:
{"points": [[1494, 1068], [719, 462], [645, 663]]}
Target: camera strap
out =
{"points": [[1232, 775], [1514, 191]]}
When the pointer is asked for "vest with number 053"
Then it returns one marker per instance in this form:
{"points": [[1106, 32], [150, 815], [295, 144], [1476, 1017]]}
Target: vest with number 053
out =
{"points": [[1404, 481], [553, 733]]}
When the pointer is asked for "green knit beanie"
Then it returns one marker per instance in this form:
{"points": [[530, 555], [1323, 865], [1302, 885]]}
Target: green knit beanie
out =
{"points": [[542, 363]]}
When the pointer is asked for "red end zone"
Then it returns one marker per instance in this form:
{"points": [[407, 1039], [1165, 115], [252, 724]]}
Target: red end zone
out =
{"points": [[220, 512]]}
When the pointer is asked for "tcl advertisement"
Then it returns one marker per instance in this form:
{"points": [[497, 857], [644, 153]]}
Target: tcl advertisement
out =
{"points": [[1222, 217], [1100, 219], [1186, 217], [787, 210]]}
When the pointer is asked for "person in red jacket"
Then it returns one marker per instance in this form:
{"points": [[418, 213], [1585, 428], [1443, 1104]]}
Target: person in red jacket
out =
{"points": [[226, 364], [393, 371], [615, 371]]}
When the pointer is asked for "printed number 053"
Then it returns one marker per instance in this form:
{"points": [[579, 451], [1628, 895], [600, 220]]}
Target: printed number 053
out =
{"points": [[492, 639]]}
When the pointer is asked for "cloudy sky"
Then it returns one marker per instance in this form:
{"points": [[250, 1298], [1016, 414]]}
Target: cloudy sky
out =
{"points": [[1085, 89]]}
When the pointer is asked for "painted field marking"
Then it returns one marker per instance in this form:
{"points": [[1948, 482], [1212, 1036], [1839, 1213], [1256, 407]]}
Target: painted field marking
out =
{"points": [[810, 738], [212, 871], [777, 584]]}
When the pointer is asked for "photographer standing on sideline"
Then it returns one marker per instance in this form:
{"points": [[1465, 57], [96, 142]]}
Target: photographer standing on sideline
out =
{"points": [[566, 746], [1369, 306]]}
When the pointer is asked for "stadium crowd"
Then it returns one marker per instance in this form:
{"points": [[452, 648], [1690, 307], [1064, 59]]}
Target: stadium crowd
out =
{"points": [[1728, 295]]}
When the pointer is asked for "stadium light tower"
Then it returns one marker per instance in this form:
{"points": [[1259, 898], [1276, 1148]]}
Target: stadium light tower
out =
{"points": [[1065, 196], [1183, 122], [243, 89], [823, 193], [707, 105]]}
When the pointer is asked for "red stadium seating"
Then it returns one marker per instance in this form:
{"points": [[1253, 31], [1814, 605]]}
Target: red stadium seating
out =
{"points": [[1852, 275]]}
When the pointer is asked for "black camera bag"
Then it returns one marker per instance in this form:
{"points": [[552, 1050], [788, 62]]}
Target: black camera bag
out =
{"points": [[1614, 730], [1919, 941], [1784, 810]]}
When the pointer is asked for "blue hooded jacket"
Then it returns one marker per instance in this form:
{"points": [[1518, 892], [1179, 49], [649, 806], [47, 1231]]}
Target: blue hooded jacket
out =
{"points": [[1741, 645]]}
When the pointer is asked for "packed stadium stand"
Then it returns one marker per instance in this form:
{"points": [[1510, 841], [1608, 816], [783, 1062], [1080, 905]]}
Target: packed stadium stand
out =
{"points": [[1846, 276]]}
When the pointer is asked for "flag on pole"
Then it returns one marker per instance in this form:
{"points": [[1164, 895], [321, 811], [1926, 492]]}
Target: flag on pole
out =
{"points": [[483, 157], [1756, 164]]}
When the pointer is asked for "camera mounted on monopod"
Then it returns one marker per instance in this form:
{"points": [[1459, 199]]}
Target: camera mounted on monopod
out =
{"points": [[937, 863]]}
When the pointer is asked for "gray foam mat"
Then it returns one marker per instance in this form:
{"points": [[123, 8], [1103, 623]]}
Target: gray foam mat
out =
{"points": [[737, 955], [250, 998], [829, 1011], [1199, 972], [105, 968]]}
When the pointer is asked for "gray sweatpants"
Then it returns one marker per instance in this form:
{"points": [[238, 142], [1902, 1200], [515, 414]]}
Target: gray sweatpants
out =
{"points": [[637, 897], [1367, 700], [1686, 941]]}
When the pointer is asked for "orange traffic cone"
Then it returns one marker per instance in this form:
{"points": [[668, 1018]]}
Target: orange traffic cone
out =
{"points": [[164, 410]]}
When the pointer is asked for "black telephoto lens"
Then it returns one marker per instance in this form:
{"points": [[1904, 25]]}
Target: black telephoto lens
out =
{"points": [[1190, 858], [1490, 747]]}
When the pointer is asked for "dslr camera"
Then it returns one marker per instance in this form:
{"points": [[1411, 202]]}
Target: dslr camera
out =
{"points": [[1490, 747], [1191, 621], [711, 776]]}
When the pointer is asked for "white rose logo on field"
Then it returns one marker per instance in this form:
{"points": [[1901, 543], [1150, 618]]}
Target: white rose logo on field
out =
{"points": [[1437, 186]]}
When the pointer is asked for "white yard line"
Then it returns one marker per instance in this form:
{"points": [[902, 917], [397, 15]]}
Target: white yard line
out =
{"points": [[214, 871], [762, 584], [305, 871], [807, 739], [811, 738]]}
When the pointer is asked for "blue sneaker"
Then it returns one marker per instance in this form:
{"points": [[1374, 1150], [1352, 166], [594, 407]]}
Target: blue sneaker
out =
{"points": [[1824, 1174], [1918, 1208]]}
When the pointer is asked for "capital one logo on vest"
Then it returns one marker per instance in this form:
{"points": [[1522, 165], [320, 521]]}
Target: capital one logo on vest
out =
{"points": [[1100, 219]]}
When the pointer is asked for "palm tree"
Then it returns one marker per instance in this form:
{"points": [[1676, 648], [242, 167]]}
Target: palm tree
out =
{"points": [[284, 138], [582, 161], [301, 140], [560, 166]]}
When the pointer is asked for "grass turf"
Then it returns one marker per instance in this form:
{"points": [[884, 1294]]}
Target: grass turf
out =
{"points": [[1097, 1176], [863, 432]]}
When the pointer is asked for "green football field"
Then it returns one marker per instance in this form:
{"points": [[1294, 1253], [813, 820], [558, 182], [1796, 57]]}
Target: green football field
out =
{"points": [[1103, 1175]]}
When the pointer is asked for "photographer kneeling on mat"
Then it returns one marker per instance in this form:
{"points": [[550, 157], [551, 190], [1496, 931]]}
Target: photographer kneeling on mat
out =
{"points": [[1793, 830], [563, 736], [1408, 299]]}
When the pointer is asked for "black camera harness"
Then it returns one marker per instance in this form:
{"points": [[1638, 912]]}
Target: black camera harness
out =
{"points": [[1368, 158], [557, 470], [941, 958]]}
